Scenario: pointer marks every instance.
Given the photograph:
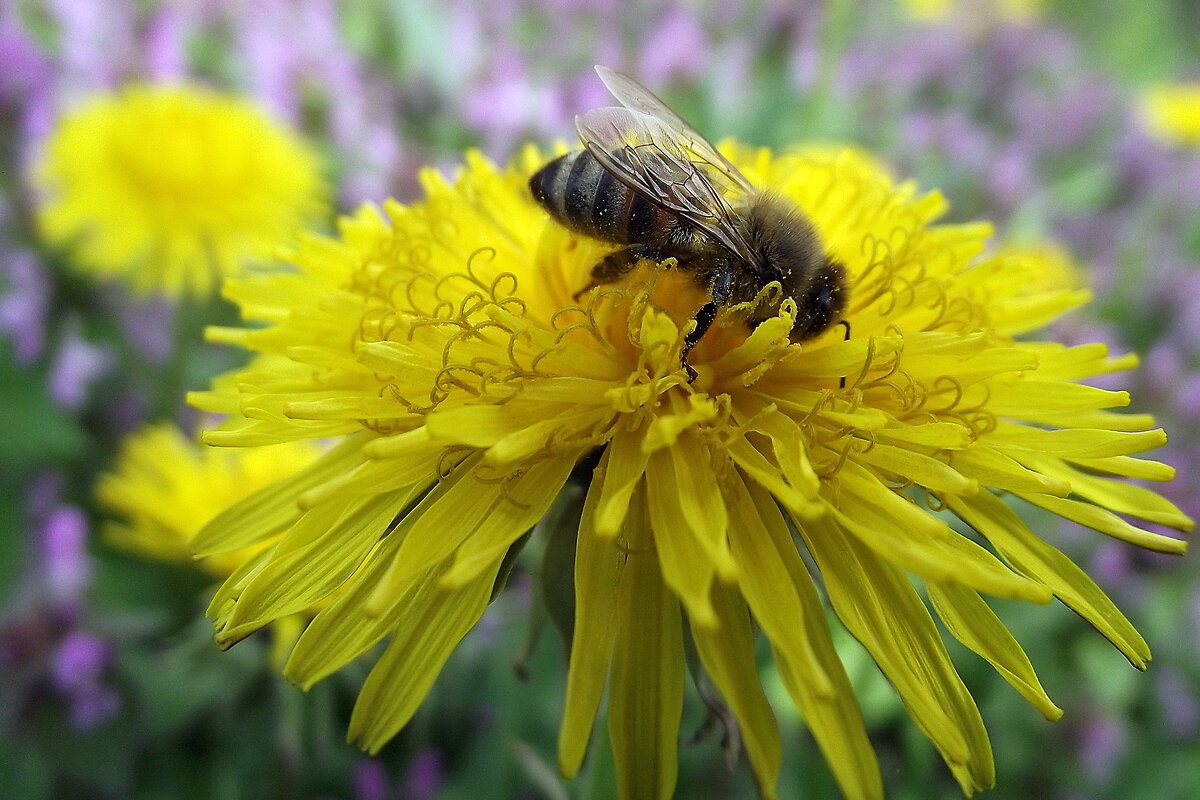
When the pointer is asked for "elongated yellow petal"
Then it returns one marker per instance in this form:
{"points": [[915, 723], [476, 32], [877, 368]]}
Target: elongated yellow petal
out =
{"points": [[270, 510], [687, 567], [646, 686], [1110, 524], [784, 600], [882, 610], [626, 463], [728, 656], [1118, 496], [969, 620], [315, 558], [527, 497], [431, 627], [343, 631], [599, 565], [893, 527], [1030, 555]]}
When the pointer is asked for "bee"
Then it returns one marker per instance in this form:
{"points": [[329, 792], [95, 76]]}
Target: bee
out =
{"points": [[648, 180]]}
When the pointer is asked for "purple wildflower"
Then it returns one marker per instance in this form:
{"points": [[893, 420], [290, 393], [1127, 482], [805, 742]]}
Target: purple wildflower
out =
{"points": [[426, 773], [78, 673], [77, 365], [24, 304]]}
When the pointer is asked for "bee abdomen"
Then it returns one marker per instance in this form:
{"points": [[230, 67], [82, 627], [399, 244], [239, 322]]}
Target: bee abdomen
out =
{"points": [[583, 196]]}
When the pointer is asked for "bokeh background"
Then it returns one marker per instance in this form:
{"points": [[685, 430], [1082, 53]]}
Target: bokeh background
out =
{"points": [[1038, 116]]}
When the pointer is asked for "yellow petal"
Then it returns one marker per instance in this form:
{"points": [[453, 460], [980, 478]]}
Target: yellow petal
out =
{"points": [[598, 569], [526, 500], [784, 600], [882, 610], [727, 653], [646, 687], [969, 620], [1109, 523], [270, 510], [1118, 496], [687, 567], [626, 463], [343, 630], [1031, 556], [894, 527], [433, 623], [316, 557]]}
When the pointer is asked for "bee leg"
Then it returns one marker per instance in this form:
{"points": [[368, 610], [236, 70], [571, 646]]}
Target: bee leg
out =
{"points": [[720, 291], [614, 266]]}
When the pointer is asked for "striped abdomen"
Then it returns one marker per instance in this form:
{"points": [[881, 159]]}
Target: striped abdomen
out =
{"points": [[583, 196]]}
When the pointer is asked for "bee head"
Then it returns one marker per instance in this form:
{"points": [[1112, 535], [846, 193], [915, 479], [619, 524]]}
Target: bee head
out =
{"points": [[790, 251], [822, 302]]}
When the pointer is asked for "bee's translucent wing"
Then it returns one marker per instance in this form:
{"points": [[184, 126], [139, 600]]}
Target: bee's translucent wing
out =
{"points": [[654, 158], [637, 97]]}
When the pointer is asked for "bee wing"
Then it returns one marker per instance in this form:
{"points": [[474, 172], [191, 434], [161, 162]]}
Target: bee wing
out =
{"points": [[638, 98], [653, 157]]}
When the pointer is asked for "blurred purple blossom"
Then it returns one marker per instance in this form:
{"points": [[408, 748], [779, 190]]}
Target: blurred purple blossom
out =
{"points": [[425, 775], [371, 780], [24, 303], [23, 67], [42, 642], [1179, 704], [147, 323], [77, 364], [674, 42], [78, 673], [1103, 742], [62, 552]]}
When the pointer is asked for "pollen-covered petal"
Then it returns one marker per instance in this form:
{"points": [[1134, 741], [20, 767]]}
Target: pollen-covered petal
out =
{"points": [[598, 569], [784, 601], [646, 685], [432, 625], [880, 607], [666, 427], [1031, 556], [972, 622], [727, 653]]}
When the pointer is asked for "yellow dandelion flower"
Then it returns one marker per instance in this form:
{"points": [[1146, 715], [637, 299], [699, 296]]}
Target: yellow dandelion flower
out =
{"points": [[1172, 113], [442, 342], [938, 11], [169, 188], [164, 487]]}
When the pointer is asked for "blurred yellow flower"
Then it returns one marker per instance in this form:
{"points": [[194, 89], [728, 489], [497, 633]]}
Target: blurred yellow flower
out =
{"points": [[164, 487], [1172, 113], [169, 188], [933, 11], [443, 344]]}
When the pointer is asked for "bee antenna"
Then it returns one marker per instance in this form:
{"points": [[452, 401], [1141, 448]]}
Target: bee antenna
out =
{"points": [[846, 325]]}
